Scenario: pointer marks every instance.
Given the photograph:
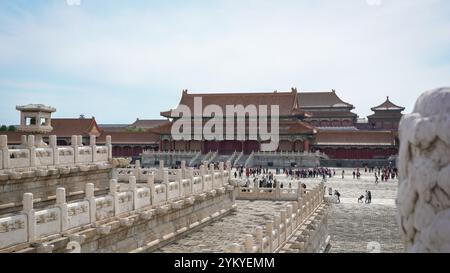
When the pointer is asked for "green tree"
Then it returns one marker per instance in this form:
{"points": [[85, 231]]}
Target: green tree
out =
{"points": [[3, 128], [12, 128]]}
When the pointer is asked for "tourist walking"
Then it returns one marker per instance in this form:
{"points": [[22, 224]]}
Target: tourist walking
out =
{"points": [[338, 195], [360, 199], [343, 172]]}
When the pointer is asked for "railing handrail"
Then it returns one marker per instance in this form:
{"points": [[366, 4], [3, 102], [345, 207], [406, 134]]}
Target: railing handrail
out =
{"points": [[278, 232], [133, 199], [31, 154]]}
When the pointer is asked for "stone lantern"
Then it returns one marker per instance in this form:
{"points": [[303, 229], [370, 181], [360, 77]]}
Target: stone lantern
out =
{"points": [[36, 119]]}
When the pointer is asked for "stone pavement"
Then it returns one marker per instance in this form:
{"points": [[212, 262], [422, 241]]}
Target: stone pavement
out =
{"points": [[353, 227], [356, 227], [364, 227], [360, 227], [219, 236]]}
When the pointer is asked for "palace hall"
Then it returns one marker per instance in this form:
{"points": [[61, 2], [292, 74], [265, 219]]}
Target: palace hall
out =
{"points": [[308, 122]]}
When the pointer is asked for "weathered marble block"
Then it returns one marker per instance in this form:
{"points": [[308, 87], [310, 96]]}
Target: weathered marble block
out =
{"points": [[424, 170], [19, 158], [48, 222], [143, 198], [102, 154], [104, 207], [13, 230], [159, 195], [207, 183], [124, 202], [44, 157], [186, 187], [217, 180], [174, 190], [197, 185], [84, 154], [66, 156], [78, 214]]}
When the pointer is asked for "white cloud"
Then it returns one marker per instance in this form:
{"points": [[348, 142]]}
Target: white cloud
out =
{"points": [[365, 52]]}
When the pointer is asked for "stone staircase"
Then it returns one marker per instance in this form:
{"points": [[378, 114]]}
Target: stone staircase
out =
{"points": [[222, 158], [249, 161], [233, 157], [212, 157], [195, 158], [241, 160], [199, 159], [238, 157]]}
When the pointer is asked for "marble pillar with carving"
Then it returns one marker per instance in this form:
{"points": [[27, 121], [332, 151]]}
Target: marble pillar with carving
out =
{"points": [[423, 199]]}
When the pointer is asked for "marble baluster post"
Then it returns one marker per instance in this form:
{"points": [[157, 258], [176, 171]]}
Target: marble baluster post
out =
{"points": [[28, 210]]}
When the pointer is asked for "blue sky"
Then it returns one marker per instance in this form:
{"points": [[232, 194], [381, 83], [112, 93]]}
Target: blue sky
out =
{"points": [[119, 60]]}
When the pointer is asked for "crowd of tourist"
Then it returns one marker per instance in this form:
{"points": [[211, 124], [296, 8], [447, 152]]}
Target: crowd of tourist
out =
{"points": [[263, 178], [289, 172], [310, 173], [385, 173]]}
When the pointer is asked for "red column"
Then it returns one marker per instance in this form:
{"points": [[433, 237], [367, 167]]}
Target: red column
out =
{"points": [[306, 145]]}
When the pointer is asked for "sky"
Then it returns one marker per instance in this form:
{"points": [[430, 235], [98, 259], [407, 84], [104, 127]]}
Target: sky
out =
{"points": [[122, 60]]}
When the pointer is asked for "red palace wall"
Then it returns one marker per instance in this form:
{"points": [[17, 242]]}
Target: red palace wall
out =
{"points": [[358, 153], [129, 151], [229, 147]]}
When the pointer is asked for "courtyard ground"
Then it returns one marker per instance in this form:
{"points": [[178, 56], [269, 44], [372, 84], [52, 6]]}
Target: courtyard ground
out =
{"points": [[353, 227]]}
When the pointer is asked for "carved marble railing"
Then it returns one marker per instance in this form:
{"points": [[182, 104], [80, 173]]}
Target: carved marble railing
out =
{"points": [[32, 225], [277, 193], [141, 174], [290, 153], [32, 156], [278, 232], [163, 174], [195, 158]]}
